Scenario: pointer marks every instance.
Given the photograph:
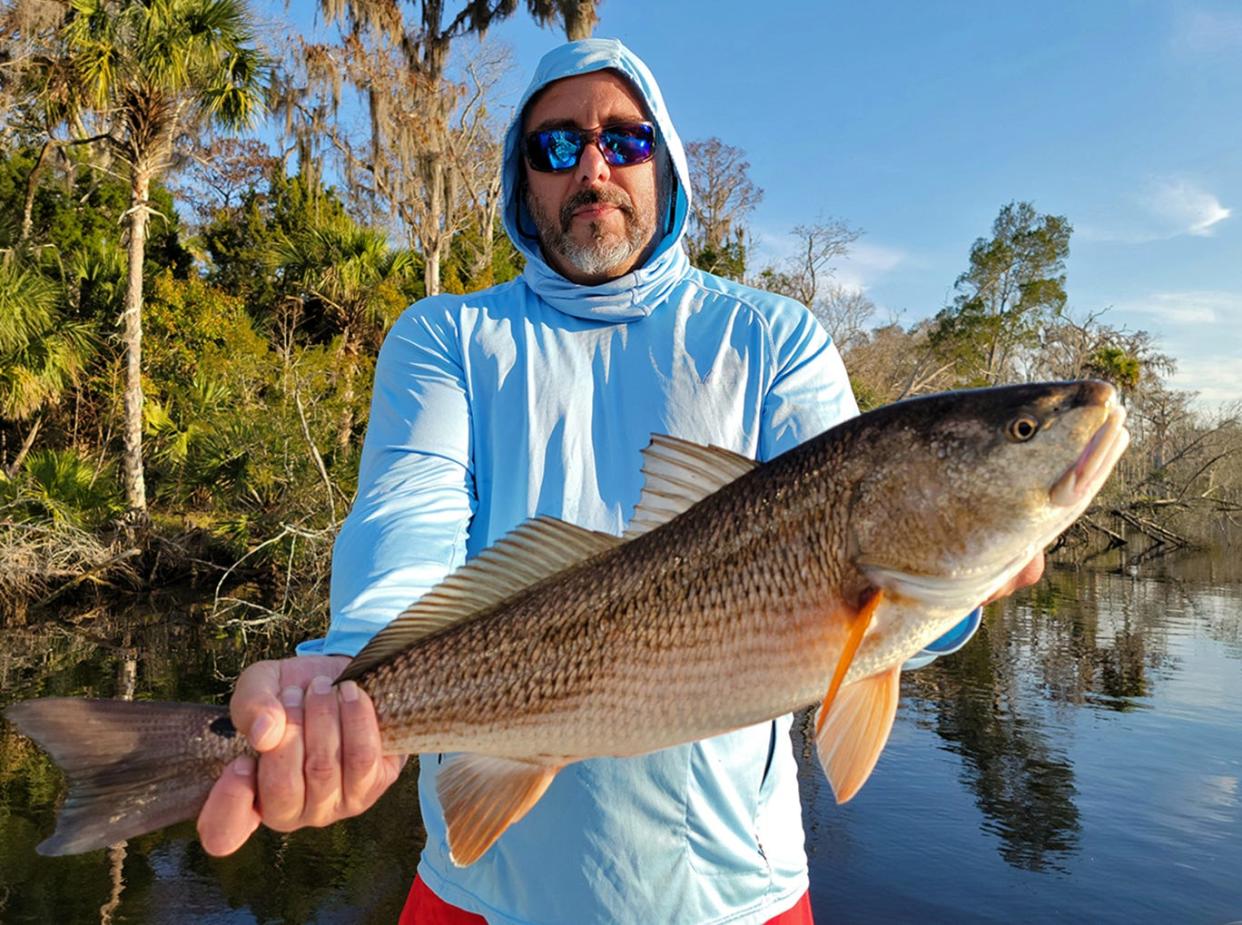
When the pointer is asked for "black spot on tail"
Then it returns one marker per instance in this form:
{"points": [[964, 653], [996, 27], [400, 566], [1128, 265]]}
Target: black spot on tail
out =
{"points": [[223, 727]]}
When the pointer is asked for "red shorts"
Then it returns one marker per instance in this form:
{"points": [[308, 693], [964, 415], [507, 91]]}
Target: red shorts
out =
{"points": [[423, 907]]}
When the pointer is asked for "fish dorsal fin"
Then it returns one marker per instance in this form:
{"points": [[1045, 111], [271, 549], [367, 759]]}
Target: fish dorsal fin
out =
{"points": [[537, 549], [678, 474], [849, 742], [482, 795]]}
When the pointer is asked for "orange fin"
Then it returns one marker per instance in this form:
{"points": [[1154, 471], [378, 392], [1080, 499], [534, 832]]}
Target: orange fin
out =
{"points": [[871, 600], [850, 741], [482, 796]]}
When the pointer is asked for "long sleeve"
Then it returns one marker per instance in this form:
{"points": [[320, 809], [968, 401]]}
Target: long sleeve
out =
{"points": [[810, 391], [408, 526]]}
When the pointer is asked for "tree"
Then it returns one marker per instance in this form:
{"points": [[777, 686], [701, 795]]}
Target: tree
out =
{"points": [[400, 69], [41, 354], [803, 274], [723, 196], [147, 71], [357, 284], [418, 159], [222, 172], [577, 16], [844, 313], [1015, 284]]}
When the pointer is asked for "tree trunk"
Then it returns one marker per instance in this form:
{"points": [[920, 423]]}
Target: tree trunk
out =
{"points": [[16, 464], [135, 485], [433, 233], [345, 426], [431, 271], [580, 18], [32, 185]]}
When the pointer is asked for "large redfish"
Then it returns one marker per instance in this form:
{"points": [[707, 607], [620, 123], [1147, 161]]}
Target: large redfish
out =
{"points": [[739, 593]]}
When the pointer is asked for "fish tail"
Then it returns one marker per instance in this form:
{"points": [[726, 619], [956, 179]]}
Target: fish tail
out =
{"points": [[132, 767]]}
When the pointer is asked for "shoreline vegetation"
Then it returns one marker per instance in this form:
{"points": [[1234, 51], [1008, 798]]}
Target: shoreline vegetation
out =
{"points": [[206, 228]]}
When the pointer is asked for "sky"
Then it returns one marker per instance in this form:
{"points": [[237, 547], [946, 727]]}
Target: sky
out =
{"points": [[916, 121]]}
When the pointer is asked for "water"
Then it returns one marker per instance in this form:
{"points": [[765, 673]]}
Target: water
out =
{"points": [[1080, 759]]}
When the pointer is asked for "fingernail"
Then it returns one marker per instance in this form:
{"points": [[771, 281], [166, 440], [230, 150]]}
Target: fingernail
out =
{"points": [[260, 727], [243, 766], [349, 691], [291, 696], [321, 685]]}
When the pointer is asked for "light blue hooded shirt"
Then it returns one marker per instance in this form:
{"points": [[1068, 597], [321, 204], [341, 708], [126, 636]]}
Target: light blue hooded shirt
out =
{"points": [[537, 397]]}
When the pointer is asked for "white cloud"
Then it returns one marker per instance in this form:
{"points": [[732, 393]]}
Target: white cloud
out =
{"points": [[1165, 208], [1217, 378], [1192, 307], [1202, 330], [857, 271], [1185, 207], [865, 263]]}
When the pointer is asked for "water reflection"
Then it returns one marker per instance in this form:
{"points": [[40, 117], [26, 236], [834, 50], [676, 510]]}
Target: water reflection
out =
{"points": [[1021, 782], [354, 872], [1081, 756], [1095, 727]]}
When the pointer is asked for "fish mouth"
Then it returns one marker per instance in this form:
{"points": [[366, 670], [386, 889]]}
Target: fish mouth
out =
{"points": [[1085, 477]]}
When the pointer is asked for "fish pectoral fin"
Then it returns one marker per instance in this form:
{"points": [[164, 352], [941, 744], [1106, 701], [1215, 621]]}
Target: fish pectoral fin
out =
{"points": [[858, 628], [483, 795], [850, 739]]}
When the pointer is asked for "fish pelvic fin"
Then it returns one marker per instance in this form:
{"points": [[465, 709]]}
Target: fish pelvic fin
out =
{"points": [[131, 767], [849, 742], [482, 796], [858, 627]]}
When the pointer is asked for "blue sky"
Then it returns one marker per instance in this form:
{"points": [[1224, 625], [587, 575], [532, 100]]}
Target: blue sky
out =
{"points": [[917, 121]]}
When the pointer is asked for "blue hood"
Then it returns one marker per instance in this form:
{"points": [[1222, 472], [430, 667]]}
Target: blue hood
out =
{"points": [[636, 294]]}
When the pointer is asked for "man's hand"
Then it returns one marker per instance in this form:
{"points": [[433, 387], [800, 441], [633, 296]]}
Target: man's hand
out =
{"points": [[1033, 571], [320, 753]]}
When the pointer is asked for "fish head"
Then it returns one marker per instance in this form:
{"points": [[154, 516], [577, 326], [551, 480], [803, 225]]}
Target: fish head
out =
{"points": [[963, 489]]}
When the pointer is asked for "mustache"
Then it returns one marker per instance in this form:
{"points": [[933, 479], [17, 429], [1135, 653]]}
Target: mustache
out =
{"points": [[612, 197]]}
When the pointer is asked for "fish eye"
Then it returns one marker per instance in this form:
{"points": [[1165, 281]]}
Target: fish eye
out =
{"points": [[1022, 428]]}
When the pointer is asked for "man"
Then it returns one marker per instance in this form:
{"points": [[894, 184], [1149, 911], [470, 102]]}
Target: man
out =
{"points": [[536, 397]]}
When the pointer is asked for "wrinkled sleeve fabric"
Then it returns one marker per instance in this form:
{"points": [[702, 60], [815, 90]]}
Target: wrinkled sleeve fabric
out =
{"points": [[408, 525], [810, 392]]}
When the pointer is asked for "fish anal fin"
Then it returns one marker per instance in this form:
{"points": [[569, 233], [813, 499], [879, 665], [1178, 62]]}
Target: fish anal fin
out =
{"points": [[868, 603], [849, 742], [482, 796]]}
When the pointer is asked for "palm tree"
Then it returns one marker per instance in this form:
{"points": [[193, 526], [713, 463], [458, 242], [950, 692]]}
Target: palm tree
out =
{"points": [[577, 16], [400, 65], [148, 71], [358, 282], [40, 354]]}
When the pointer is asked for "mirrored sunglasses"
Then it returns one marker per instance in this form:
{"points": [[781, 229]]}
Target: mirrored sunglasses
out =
{"points": [[622, 145]]}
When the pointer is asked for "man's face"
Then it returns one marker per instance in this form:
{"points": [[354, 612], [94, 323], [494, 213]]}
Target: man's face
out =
{"points": [[595, 221]]}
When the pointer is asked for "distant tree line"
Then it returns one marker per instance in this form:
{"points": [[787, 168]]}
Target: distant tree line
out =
{"points": [[189, 315], [1010, 320]]}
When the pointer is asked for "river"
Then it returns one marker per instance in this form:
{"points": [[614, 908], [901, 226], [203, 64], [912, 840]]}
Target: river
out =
{"points": [[1079, 760]]}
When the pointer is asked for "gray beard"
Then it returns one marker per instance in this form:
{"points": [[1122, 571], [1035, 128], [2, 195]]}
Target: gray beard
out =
{"points": [[603, 252]]}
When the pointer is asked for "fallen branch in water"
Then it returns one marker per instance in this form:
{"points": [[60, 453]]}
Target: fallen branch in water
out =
{"points": [[1151, 529], [1114, 539], [90, 574]]}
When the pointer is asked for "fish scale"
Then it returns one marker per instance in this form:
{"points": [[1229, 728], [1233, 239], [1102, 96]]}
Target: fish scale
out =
{"points": [[739, 593]]}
